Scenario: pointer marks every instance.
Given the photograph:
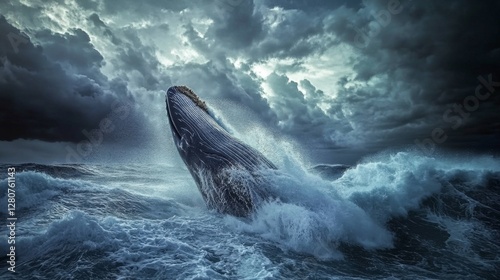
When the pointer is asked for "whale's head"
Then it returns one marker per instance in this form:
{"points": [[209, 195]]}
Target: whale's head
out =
{"points": [[200, 140], [210, 153], [185, 109], [198, 137]]}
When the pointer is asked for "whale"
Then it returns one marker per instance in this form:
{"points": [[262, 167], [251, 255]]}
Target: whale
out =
{"points": [[227, 172]]}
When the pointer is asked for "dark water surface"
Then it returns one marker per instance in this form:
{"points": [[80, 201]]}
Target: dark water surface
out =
{"points": [[394, 216]]}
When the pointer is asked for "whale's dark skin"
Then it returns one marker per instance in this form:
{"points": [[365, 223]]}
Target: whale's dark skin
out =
{"points": [[212, 156]]}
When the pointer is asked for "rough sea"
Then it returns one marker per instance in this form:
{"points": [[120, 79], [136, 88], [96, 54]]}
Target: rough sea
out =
{"points": [[396, 215]]}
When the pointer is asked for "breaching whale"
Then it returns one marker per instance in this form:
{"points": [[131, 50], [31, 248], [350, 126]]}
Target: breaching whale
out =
{"points": [[224, 168]]}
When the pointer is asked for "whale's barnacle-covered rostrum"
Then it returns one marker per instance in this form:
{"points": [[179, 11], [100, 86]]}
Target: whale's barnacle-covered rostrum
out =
{"points": [[189, 93]]}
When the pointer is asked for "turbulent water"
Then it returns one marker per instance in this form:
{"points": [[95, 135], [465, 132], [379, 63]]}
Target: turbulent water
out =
{"points": [[399, 215]]}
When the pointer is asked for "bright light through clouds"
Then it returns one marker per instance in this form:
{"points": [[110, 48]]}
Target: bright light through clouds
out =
{"points": [[264, 69], [323, 70]]}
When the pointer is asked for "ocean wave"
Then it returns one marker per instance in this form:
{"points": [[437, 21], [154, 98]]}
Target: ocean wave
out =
{"points": [[38, 193], [317, 216], [55, 170], [85, 246], [391, 214], [35, 189]]}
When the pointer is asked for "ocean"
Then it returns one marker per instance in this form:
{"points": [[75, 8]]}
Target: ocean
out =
{"points": [[395, 215]]}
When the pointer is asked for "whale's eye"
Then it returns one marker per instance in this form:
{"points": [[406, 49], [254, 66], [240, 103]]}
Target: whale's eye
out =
{"points": [[189, 93]]}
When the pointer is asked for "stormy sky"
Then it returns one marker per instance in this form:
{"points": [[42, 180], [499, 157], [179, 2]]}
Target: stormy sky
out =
{"points": [[85, 80]]}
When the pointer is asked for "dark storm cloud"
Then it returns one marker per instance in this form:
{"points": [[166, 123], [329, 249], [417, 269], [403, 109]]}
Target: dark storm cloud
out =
{"points": [[136, 57], [426, 59], [99, 24], [317, 6], [73, 52], [237, 26], [292, 36], [94, 18], [88, 4], [255, 33], [414, 61], [143, 7], [53, 92], [133, 56], [296, 115]]}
